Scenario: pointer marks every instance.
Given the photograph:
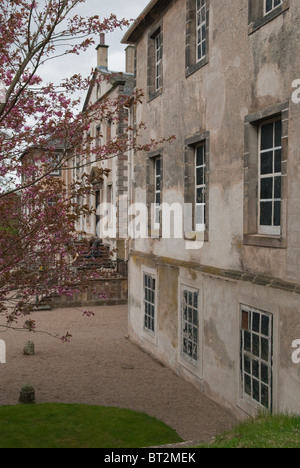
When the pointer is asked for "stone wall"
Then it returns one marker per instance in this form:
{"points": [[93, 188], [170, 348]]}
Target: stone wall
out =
{"points": [[109, 291]]}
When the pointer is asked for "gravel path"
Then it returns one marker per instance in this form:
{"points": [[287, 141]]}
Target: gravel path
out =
{"points": [[102, 367]]}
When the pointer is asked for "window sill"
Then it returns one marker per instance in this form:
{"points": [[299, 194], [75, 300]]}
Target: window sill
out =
{"points": [[153, 96], [262, 240], [150, 337], [194, 236], [269, 17], [196, 66], [250, 407]]}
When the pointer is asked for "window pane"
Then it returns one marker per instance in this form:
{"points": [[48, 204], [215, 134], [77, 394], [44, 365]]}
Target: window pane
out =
{"points": [[265, 321], [200, 176], [266, 163], [200, 156], [264, 349], [247, 364], [278, 160], [269, 5], [247, 341], [195, 318], [266, 188], [277, 213], [278, 133], [265, 395], [247, 385], [200, 195], [255, 369], [200, 214], [264, 373], [277, 187], [256, 322], [255, 349], [256, 390], [195, 353], [267, 139], [245, 320], [266, 214]]}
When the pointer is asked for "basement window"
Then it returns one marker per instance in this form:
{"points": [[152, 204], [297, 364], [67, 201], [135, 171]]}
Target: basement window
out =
{"points": [[190, 326], [149, 302], [256, 357]]}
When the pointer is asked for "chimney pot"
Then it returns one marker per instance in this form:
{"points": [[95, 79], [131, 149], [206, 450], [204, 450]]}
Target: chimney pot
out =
{"points": [[102, 38]]}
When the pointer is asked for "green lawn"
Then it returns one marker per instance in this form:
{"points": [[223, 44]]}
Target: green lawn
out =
{"points": [[79, 426], [264, 432]]}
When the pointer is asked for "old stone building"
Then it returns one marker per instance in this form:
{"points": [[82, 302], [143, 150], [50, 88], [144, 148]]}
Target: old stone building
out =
{"points": [[220, 303], [111, 190]]}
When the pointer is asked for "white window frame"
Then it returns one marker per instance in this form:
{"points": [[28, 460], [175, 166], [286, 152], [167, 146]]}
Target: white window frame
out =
{"points": [[150, 335], [273, 6], [201, 7], [200, 207], [158, 60], [258, 360], [262, 229]]}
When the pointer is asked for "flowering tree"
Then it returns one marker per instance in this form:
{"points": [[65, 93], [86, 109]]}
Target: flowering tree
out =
{"points": [[38, 212]]}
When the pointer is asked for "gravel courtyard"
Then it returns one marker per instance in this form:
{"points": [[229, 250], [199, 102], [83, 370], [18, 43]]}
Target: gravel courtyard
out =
{"points": [[102, 367]]}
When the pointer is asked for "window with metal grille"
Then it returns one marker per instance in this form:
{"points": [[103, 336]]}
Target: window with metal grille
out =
{"points": [[271, 5], [201, 29], [149, 302], [257, 356], [270, 178], [190, 326]]}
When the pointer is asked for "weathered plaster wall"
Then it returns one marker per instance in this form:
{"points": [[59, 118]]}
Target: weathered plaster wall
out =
{"points": [[218, 371], [246, 74]]}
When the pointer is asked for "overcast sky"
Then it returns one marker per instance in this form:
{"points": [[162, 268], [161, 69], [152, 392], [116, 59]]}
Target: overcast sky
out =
{"points": [[67, 66]]}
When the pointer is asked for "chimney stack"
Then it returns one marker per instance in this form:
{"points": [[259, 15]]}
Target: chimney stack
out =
{"points": [[102, 53], [130, 58]]}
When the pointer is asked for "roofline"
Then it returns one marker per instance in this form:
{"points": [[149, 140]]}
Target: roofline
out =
{"points": [[138, 22], [115, 79]]}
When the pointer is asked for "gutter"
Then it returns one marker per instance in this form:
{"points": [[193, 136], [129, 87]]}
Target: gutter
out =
{"points": [[141, 18]]}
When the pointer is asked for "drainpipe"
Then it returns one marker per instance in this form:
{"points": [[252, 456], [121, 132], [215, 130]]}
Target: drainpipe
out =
{"points": [[130, 198]]}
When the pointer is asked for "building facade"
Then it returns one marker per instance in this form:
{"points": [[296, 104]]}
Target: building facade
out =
{"points": [[108, 171], [219, 304]]}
